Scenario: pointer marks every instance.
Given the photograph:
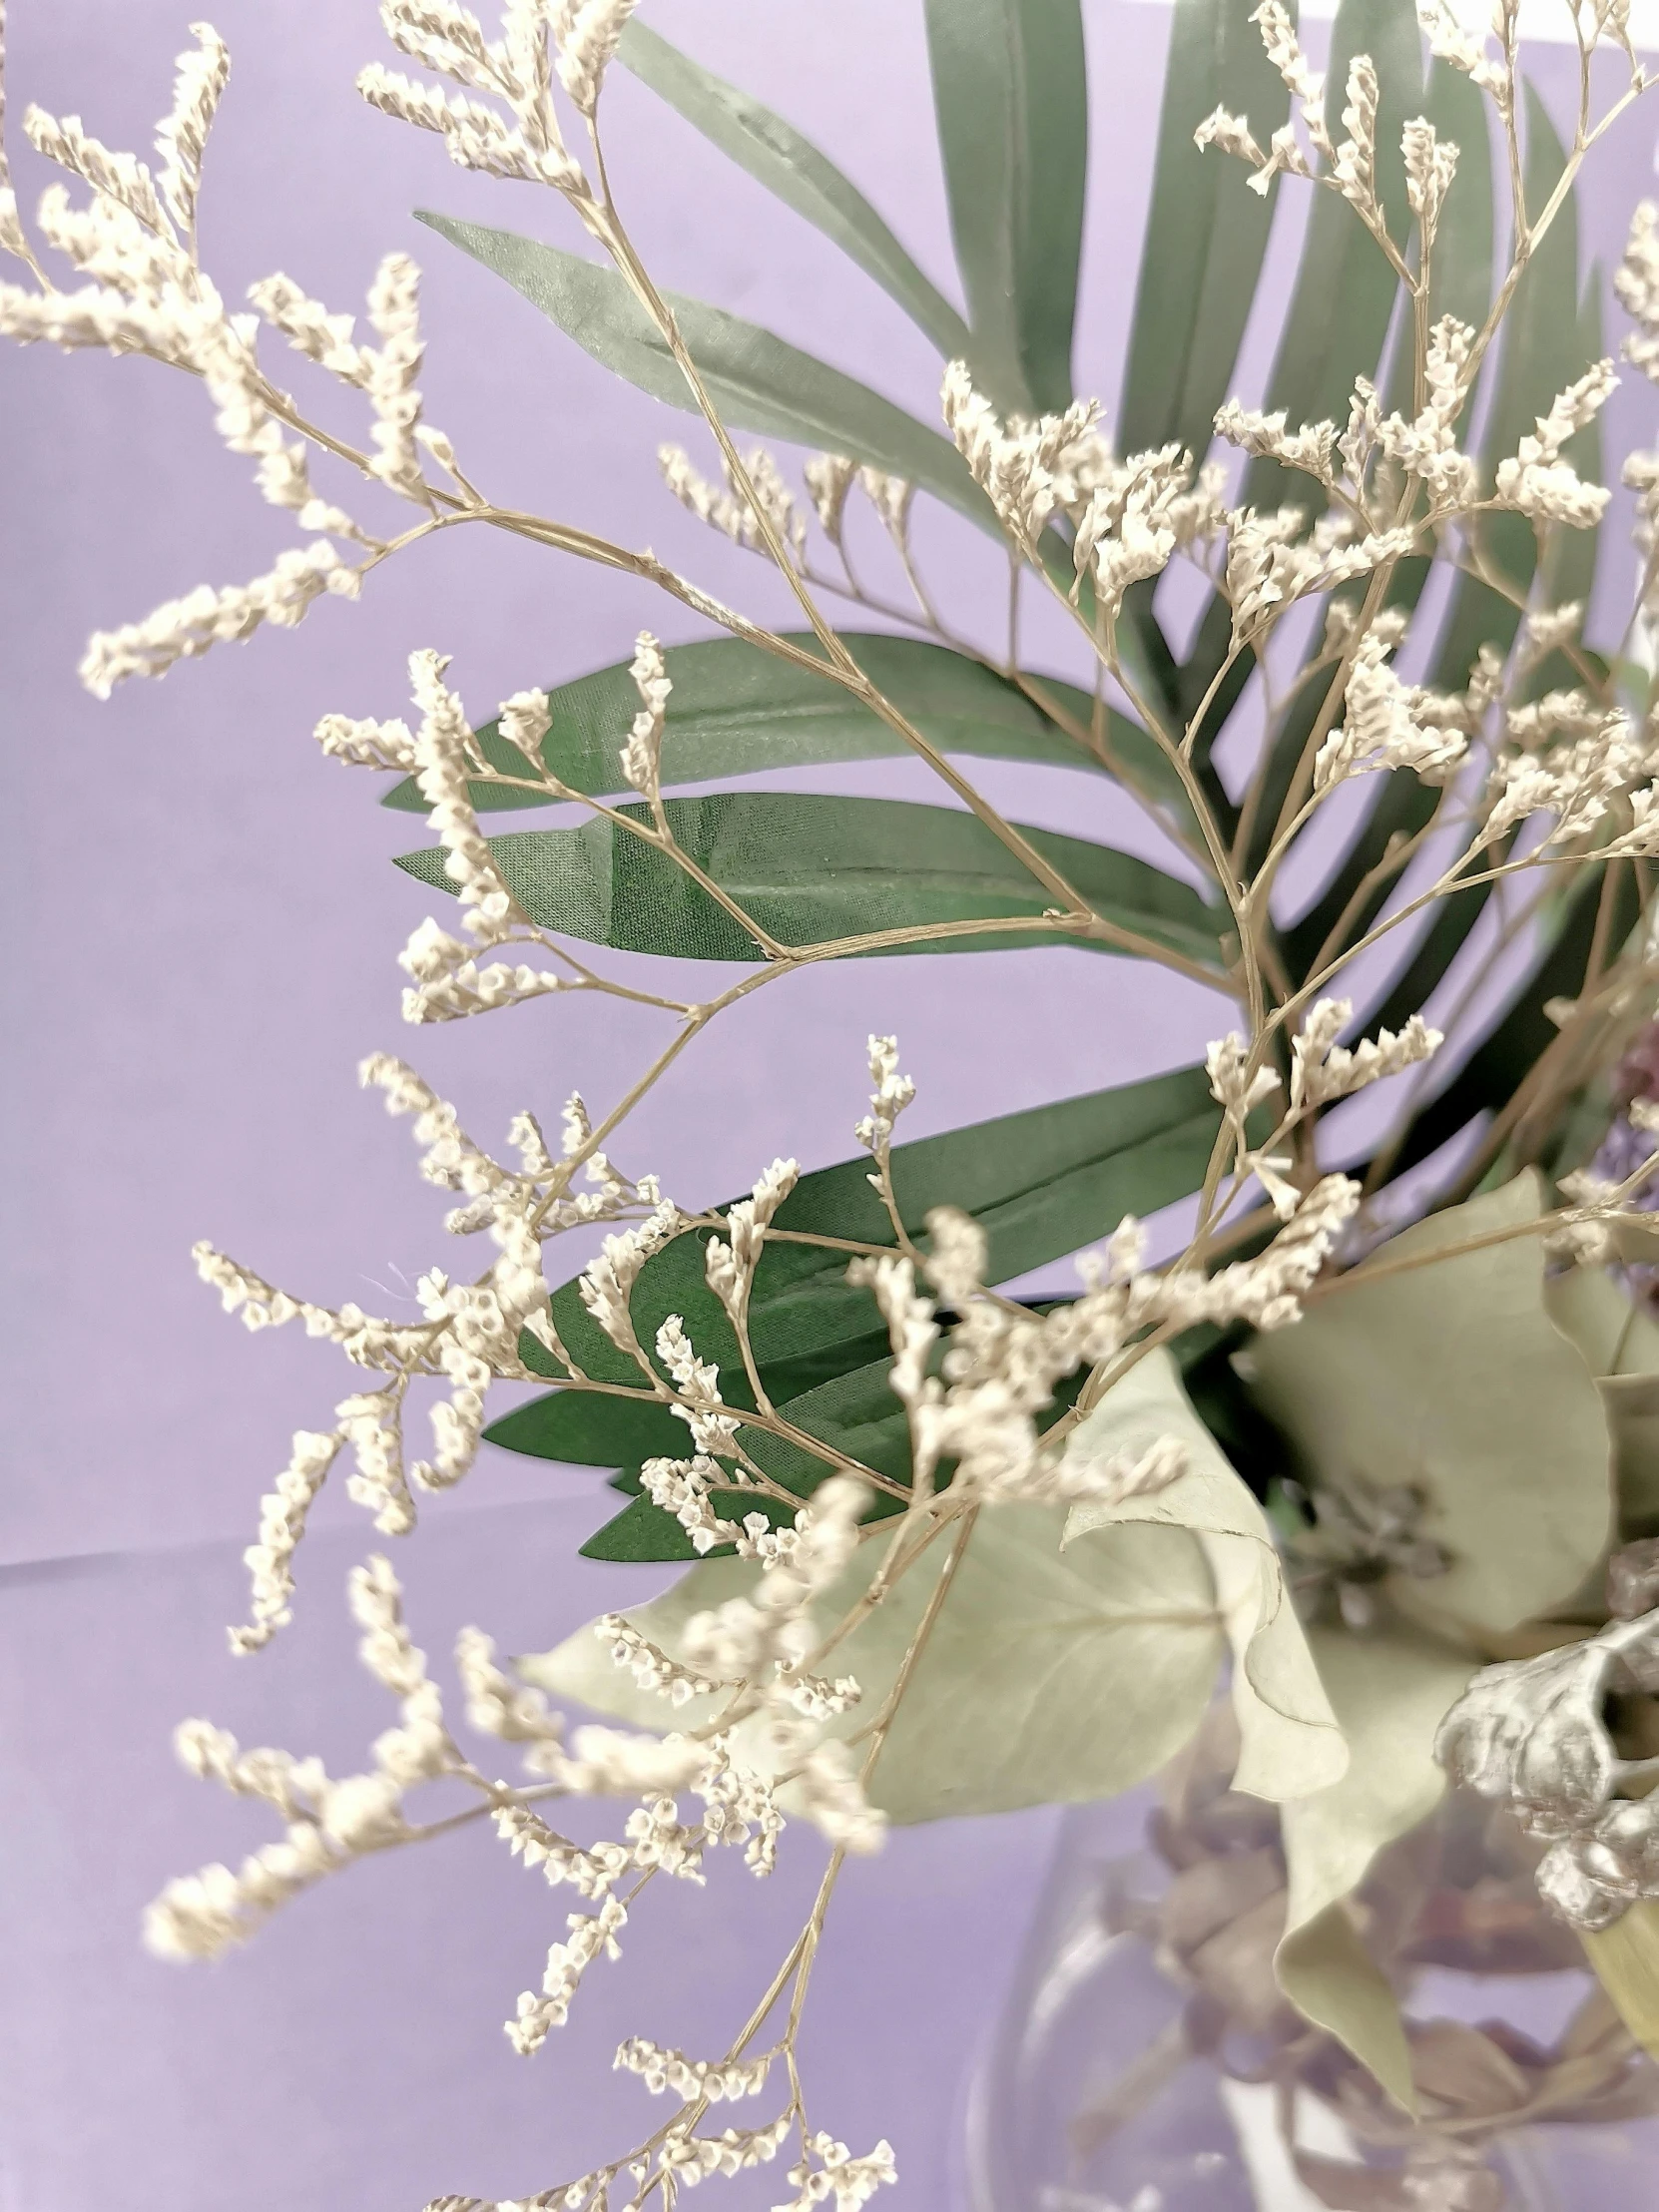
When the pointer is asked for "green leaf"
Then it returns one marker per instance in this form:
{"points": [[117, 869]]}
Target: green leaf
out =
{"points": [[755, 380], [1390, 1694], [1039, 1183], [1051, 1676], [1449, 1377], [812, 871], [1010, 91], [1626, 1959], [1288, 1739], [1462, 285], [791, 168], [1206, 233], [737, 710]]}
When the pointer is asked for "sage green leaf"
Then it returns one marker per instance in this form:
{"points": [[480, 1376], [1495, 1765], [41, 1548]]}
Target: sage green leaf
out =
{"points": [[1390, 1694], [1051, 1676], [791, 168], [1040, 1183], [1626, 1959], [1290, 1743], [1206, 233], [1010, 91], [1439, 1370], [757, 381], [813, 871], [737, 710]]}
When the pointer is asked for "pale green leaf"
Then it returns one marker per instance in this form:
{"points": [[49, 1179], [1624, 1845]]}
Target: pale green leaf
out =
{"points": [[1290, 1743], [1440, 1370], [1390, 1694], [1050, 1675], [1626, 1959]]}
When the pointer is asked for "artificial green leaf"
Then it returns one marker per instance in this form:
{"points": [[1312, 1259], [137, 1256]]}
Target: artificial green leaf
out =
{"points": [[1206, 233], [587, 1429], [1010, 91], [757, 381], [1051, 1676], [737, 710], [1440, 1371], [1289, 1741], [1390, 1693], [1040, 1183], [1626, 1959], [1461, 279], [813, 870], [791, 168]]}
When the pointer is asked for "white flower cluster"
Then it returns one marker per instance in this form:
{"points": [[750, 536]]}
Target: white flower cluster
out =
{"points": [[836, 2173], [1350, 166], [1130, 516], [728, 1262], [1388, 724], [135, 246], [642, 756], [719, 2081], [1539, 481], [738, 511], [516, 69], [329, 1822], [1001, 1364], [1321, 1070]]}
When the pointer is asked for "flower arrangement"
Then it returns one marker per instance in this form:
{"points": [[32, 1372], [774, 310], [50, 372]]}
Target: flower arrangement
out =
{"points": [[1372, 1447]]}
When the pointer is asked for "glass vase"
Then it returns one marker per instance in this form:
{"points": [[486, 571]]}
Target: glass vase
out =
{"points": [[1145, 2060]]}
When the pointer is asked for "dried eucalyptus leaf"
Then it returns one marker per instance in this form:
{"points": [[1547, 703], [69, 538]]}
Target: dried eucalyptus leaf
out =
{"points": [[1389, 1695], [1050, 1675], [1626, 1959], [1290, 1743], [1450, 1378]]}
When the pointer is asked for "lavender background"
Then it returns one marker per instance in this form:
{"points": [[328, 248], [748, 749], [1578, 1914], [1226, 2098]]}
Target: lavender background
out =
{"points": [[201, 929]]}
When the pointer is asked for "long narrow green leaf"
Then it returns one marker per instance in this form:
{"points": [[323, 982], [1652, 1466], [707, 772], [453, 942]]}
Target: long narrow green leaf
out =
{"points": [[1206, 233], [1011, 95], [1040, 1183], [812, 869], [737, 710], [755, 380], [790, 167]]}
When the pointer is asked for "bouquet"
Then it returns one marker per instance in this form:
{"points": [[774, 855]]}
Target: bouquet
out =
{"points": [[1365, 1447]]}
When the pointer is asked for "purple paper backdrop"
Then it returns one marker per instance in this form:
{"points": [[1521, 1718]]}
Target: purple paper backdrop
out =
{"points": [[202, 924]]}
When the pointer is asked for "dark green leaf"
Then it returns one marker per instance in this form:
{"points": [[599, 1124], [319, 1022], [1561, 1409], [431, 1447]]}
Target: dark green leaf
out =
{"points": [[1541, 352], [1010, 92], [1501, 1063], [737, 710], [1206, 233], [754, 379], [792, 167], [588, 1428], [1040, 1183], [812, 871]]}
